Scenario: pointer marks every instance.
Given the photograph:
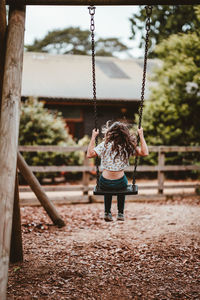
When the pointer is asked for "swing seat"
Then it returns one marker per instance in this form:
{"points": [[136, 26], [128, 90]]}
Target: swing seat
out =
{"points": [[129, 190]]}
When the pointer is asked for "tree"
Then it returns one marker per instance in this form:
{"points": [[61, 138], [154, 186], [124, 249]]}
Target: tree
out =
{"points": [[171, 117], [38, 126], [107, 47], [73, 40], [165, 21]]}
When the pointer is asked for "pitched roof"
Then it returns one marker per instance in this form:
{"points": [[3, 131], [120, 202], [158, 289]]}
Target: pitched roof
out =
{"points": [[70, 77]]}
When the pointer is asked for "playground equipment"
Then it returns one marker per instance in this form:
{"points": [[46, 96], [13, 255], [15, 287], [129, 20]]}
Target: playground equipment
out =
{"points": [[131, 189]]}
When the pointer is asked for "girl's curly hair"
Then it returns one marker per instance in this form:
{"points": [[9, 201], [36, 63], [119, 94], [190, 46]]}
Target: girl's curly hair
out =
{"points": [[123, 142]]}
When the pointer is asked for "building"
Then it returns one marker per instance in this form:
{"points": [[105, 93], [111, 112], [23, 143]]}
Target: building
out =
{"points": [[64, 83]]}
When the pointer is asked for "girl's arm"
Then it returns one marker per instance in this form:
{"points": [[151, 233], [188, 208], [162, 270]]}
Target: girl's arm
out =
{"points": [[143, 149], [90, 151]]}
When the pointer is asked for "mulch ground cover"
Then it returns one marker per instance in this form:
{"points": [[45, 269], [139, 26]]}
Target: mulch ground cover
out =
{"points": [[154, 254]]}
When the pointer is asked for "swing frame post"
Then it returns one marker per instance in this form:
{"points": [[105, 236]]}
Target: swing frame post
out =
{"points": [[104, 2], [9, 130], [16, 247], [3, 27]]}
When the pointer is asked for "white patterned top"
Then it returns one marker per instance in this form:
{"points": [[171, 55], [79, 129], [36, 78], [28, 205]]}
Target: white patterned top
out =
{"points": [[107, 158]]}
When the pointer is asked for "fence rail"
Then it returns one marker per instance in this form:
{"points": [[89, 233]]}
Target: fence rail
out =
{"points": [[42, 148], [160, 168]]}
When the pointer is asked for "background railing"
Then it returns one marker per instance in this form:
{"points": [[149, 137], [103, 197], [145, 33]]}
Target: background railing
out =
{"points": [[86, 168]]}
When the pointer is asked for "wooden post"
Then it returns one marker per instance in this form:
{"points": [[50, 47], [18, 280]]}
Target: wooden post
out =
{"points": [[9, 131], [16, 248], [105, 2], [86, 176], [39, 191], [3, 27], [161, 175]]}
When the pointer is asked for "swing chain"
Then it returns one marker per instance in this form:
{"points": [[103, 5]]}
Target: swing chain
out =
{"points": [[148, 9], [92, 28]]}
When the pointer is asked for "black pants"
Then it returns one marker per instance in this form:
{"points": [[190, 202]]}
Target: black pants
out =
{"points": [[114, 184]]}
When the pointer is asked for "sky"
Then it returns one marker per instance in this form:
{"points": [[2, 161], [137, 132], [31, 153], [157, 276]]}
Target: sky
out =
{"points": [[110, 21]]}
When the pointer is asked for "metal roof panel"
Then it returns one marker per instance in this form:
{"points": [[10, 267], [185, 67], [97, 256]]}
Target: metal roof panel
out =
{"points": [[70, 76]]}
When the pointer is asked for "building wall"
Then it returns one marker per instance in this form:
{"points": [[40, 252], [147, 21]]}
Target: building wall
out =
{"points": [[80, 118], [105, 113]]}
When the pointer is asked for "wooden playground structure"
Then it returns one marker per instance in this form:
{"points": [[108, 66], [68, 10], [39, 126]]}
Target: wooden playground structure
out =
{"points": [[11, 62]]}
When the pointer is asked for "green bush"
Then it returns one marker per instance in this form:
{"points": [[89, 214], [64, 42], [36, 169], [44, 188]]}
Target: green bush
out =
{"points": [[38, 126], [171, 115]]}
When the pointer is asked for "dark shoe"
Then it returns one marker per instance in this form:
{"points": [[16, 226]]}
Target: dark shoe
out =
{"points": [[108, 217], [120, 217]]}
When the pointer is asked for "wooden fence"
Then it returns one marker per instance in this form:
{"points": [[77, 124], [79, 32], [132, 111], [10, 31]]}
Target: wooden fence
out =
{"points": [[86, 168]]}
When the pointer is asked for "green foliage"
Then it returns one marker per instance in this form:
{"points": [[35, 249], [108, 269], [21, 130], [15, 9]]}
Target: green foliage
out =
{"points": [[107, 47], [166, 20], [171, 114], [40, 127], [70, 40], [74, 40], [171, 117], [82, 142]]}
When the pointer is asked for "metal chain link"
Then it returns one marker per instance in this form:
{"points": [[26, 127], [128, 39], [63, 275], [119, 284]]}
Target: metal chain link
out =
{"points": [[148, 9], [92, 29]]}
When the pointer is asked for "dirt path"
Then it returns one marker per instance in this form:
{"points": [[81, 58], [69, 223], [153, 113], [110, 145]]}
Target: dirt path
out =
{"points": [[154, 254]]}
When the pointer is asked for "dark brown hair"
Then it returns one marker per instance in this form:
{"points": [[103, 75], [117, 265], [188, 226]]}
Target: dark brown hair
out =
{"points": [[123, 142]]}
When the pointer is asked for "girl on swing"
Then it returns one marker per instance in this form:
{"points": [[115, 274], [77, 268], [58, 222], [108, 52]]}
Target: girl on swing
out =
{"points": [[117, 146]]}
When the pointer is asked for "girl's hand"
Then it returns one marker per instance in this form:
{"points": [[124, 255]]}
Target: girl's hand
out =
{"points": [[95, 133], [140, 132]]}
